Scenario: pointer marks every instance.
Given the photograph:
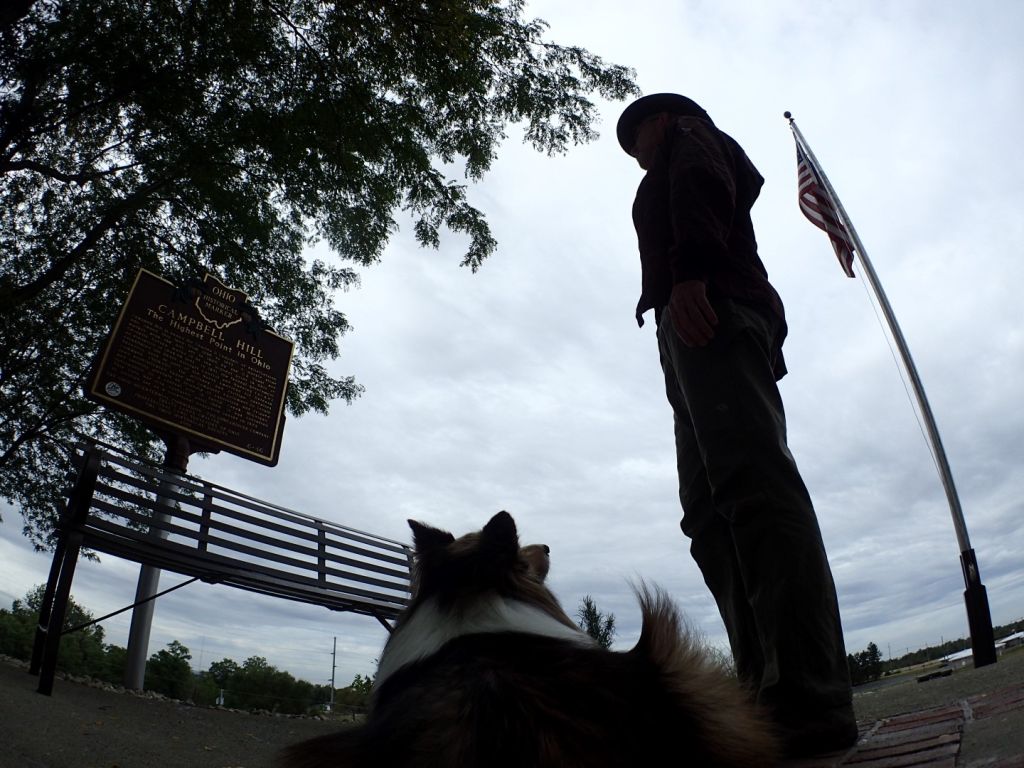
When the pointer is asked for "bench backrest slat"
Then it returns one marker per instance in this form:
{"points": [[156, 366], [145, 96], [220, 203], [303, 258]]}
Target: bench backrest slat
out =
{"points": [[238, 499], [318, 556], [170, 556], [219, 535]]}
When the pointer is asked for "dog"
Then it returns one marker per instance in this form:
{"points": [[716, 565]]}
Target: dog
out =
{"points": [[485, 670]]}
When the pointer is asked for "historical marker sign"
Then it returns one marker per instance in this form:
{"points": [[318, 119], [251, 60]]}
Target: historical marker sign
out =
{"points": [[197, 361]]}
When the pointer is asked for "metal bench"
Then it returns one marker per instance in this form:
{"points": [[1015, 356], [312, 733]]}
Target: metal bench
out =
{"points": [[123, 507]]}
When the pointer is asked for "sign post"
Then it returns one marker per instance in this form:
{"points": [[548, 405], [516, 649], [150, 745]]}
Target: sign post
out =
{"points": [[199, 367]]}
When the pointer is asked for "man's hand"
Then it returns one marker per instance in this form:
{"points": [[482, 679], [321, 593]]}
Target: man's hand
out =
{"points": [[692, 315]]}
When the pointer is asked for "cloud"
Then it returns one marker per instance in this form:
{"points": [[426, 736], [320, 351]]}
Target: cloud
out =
{"points": [[528, 387]]}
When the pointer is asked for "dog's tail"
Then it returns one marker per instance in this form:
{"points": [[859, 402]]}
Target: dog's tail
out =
{"points": [[732, 730]]}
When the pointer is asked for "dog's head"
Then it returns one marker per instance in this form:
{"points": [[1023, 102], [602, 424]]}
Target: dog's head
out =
{"points": [[480, 583], [457, 570]]}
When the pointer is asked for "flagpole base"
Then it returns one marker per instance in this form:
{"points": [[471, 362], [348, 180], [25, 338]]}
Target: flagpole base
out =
{"points": [[979, 617]]}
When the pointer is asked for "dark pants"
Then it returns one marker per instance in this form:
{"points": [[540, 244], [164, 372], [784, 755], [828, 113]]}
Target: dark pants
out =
{"points": [[750, 520]]}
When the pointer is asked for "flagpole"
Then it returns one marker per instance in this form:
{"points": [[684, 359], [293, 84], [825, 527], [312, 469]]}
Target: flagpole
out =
{"points": [[975, 596]]}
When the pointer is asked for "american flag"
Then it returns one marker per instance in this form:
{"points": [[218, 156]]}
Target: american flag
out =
{"points": [[818, 207]]}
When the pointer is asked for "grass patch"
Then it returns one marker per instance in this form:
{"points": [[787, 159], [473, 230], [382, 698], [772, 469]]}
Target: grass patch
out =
{"points": [[905, 694]]}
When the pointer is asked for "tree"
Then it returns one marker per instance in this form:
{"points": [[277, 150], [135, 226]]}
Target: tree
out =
{"points": [[865, 665], [115, 663], [81, 652], [17, 629], [362, 684], [187, 137], [168, 671], [356, 695], [872, 662], [205, 691], [259, 685], [222, 671], [595, 624]]}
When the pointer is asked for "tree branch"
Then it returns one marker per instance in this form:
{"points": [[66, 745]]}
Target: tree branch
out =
{"points": [[13, 11], [12, 297], [77, 178]]}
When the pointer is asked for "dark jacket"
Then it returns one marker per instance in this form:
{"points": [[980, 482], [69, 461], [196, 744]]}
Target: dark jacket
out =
{"points": [[692, 219]]}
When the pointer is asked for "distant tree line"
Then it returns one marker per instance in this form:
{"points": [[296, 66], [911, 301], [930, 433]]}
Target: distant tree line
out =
{"points": [[257, 685], [253, 685], [931, 653], [951, 646], [868, 665]]}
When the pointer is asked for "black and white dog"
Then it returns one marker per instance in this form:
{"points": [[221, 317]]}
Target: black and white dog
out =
{"points": [[486, 670]]}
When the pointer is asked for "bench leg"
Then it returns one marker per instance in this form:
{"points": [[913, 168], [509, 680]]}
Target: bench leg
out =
{"points": [[46, 608], [62, 571], [62, 593]]}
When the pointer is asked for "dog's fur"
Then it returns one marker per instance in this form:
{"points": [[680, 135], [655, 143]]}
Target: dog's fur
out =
{"points": [[484, 669]]}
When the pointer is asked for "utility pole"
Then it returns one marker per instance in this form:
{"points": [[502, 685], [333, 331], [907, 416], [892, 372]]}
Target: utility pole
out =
{"points": [[334, 655]]}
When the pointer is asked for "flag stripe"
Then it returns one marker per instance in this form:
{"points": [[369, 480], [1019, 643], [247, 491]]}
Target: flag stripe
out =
{"points": [[819, 209]]}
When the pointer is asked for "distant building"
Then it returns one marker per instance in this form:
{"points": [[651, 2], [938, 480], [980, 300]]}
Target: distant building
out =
{"points": [[1010, 641], [959, 659], [963, 658]]}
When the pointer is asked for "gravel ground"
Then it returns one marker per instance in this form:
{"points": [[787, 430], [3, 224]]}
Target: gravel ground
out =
{"points": [[82, 726]]}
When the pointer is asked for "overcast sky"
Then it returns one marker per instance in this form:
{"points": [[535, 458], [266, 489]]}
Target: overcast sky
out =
{"points": [[528, 386]]}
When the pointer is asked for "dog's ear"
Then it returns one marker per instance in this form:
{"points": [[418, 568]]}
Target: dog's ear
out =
{"points": [[500, 537], [428, 539]]}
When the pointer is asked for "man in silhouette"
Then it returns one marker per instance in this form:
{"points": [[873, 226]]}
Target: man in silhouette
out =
{"points": [[720, 326]]}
